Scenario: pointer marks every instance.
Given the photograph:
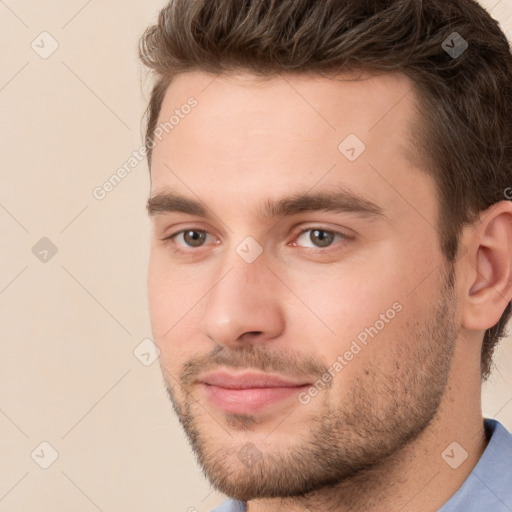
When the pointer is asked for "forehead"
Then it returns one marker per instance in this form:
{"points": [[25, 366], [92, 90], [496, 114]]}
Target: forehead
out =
{"points": [[305, 104], [287, 133]]}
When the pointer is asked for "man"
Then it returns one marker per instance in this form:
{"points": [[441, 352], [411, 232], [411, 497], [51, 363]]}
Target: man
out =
{"points": [[331, 257]]}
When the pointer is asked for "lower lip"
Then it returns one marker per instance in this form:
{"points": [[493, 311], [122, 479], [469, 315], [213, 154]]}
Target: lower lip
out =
{"points": [[247, 401]]}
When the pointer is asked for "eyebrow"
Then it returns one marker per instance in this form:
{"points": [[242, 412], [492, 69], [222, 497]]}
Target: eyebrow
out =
{"points": [[336, 201]]}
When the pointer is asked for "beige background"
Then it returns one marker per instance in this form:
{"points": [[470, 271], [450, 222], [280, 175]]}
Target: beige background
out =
{"points": [[68, 374]]}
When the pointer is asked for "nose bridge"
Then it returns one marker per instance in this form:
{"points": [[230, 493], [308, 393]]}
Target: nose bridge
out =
{"points": [[242, 300]]}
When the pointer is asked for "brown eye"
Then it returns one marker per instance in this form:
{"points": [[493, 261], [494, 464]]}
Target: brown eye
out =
{"points": [[193, 238], [319, 238]]}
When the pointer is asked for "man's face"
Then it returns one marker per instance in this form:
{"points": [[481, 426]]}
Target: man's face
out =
{"points": [[351, 306]]}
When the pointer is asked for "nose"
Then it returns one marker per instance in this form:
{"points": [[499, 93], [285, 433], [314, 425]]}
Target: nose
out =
{"points": [[244, 306]]}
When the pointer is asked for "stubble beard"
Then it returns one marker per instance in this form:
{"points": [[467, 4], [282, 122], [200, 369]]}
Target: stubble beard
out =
{"points": [[382, 411]]}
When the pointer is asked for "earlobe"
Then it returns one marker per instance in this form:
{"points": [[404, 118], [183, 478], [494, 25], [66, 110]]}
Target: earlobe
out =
{"points": [[489, 263]]}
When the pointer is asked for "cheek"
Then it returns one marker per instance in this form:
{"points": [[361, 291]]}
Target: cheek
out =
{"points": [[360, 311], [345, 301], [166, 297], [172, 298], [158, 293], [390, 282]]}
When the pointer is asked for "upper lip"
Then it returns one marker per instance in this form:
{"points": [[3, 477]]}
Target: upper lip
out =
{"points": [[248, 380]]}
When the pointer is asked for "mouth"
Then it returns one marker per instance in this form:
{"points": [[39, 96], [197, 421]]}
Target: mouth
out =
{"points": [[248, 393]]}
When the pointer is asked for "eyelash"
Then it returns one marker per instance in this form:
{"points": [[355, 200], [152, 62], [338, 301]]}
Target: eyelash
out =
{"points": [[179, 250]]}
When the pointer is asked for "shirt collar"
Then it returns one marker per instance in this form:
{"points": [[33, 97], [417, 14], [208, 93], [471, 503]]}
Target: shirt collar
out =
{"points": [[488, 486]]}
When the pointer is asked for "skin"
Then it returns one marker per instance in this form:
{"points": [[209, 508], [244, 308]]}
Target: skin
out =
{"points": [[373, 438]]}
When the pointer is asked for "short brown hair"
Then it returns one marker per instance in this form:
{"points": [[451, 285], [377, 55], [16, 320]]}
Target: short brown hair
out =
{"points": [[464, 120]]}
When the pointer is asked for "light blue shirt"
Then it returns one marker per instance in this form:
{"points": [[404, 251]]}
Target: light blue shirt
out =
{"points": [[488, 488]]}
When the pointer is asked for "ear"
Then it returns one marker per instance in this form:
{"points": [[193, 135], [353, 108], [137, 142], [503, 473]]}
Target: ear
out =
{"points": [[487, 267]]}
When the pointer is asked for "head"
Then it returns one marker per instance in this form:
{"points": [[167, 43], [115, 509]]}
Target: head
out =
{"points": [[320, 211]]}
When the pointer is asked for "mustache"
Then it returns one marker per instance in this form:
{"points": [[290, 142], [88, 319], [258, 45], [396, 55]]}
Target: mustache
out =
{"points": [[254, 357]]}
